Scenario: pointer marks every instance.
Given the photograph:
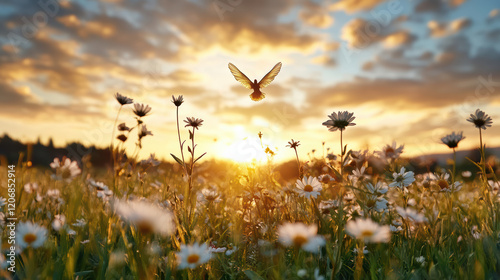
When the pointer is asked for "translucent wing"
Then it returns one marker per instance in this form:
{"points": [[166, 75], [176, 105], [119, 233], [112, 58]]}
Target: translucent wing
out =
{"points": [[269, 77], [240, 77]]}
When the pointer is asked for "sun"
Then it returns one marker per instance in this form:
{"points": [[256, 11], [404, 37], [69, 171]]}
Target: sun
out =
{"points": [[246, 150]]}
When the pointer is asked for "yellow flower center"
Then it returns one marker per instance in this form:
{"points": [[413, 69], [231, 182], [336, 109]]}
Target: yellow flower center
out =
{"points": [[145, 227], [194, 258], [66, 173], [30, 238], [308, 188], [366, 233], [371, 203], [443, 184], [299, 240]]}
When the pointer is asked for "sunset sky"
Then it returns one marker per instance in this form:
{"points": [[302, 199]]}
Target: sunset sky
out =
{"points": [[411, 71]]}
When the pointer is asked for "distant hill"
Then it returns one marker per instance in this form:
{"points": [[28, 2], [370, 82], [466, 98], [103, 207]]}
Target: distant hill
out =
{"points": [[461, 155], [43, 154]]}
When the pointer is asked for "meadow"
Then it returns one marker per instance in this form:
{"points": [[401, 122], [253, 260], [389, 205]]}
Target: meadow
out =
{"points": [[347, 215]]}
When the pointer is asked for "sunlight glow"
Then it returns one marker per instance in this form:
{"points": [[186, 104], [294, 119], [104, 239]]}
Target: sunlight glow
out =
{"points": [[245, 150]]}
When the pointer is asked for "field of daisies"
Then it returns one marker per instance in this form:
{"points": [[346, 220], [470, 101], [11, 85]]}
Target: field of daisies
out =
{"points": [[351, 215]]}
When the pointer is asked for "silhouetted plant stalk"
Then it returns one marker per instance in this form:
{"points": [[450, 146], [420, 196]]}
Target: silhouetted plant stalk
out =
{"points": [[452, 140], [294, 144], [194, 123], [178, 102], [342, 152], [122, 100], [481, 120], [483, 157], [140, 110], [339, 121]]}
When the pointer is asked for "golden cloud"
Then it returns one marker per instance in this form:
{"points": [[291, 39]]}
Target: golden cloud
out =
{"points": [[352, 6]]}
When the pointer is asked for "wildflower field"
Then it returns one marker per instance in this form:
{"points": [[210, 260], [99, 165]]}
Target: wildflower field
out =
{"points": [[351, 215], [249, 139]]}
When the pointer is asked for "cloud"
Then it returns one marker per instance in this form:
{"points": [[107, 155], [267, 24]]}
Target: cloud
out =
{"points": [[399, 38], [493, 35], [352, 6], [368, 66], [442, 29], [248, 27], [437, 29], [494, 13], [460, 24], [360, 33], [315, 15], [449, 78], [324, 60], [437, 6], [332, 46]]}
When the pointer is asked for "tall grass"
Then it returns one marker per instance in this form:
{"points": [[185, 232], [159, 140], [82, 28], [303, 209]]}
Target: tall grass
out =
{"points": [[438, 229]]}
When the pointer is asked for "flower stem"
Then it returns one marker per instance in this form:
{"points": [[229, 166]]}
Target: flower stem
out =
{"points": [[341, 157], [298, 162], [358, 273], [483, 159], [112, 147], [180, 142], [454, 166]]}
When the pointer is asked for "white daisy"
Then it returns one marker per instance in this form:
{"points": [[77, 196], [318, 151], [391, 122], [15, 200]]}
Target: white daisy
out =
{"points": [[141, 110], [191, 256], [300, 235], [368, 230], [402, 179], [105, 195], [99, 186], [210, 195], [66, 170], [229, 252], [79, 223], [420, 260], [379, 188], [58, 222], [30, 235], [214, 249], [53, 193], [466, 174], [374, 202], [480, 119], [30, 187], [475, 233], [365, 251], [409, 213], [395, 228], [446, 186], [326, 205], [495, 186], [359, 173], [309, 187], [146, 217], [317, 276], [452, 140], [339, 120], [390, 151], [122, 99]]}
